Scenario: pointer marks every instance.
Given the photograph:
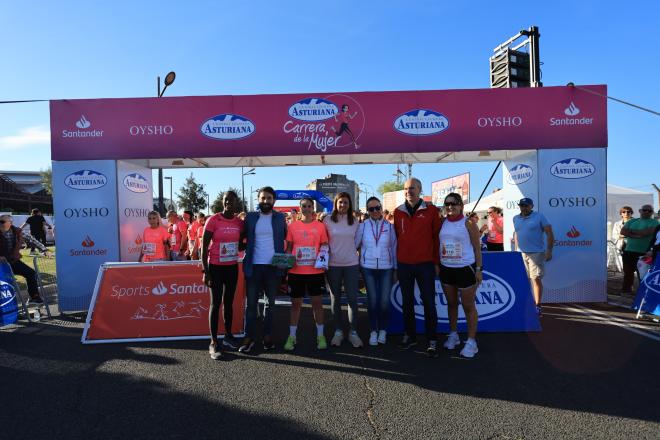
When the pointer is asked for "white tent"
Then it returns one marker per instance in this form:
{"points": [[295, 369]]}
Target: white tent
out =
{"points": [[492, 199]]}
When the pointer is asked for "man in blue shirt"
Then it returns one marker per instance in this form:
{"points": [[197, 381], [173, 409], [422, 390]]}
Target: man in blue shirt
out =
{"points": [[529, 227]]}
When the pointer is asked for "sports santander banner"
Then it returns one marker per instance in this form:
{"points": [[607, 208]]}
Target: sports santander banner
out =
{"points": [[134, 301], [329, 123]]}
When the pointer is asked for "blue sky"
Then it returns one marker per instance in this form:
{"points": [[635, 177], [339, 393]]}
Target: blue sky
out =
{"points": [[76, 49]]}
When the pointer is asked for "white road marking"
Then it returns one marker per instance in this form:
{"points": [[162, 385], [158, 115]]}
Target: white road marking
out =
{"points": [[613, 320]]}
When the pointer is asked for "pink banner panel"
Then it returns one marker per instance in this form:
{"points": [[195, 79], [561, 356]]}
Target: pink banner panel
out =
{"points": [[329, 123]]}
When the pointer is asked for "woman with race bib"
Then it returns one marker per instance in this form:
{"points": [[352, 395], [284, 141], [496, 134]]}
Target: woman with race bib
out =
{"points": [[460, 270], [223, 236], [155, 240], [304, 239]]}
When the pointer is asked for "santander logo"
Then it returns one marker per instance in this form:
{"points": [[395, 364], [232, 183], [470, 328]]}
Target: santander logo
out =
{"points": [[159, 290], [138, 240], [83, 122], [571, 110], [573, 232], [87, 242]]}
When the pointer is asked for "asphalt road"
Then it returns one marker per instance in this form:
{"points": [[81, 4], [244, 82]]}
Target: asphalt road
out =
{"points": [[587, 375]]}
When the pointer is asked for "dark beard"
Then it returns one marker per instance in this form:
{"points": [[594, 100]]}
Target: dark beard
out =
{"points": [[265, 207]]}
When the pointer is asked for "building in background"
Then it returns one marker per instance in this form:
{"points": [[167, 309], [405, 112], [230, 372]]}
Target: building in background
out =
{"points": [[333, 184], [22, 191]]}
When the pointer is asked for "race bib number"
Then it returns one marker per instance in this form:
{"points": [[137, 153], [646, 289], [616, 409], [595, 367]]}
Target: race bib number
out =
{"points": [[149, 249], [228, 252], [173, 240], [306, 256], [452, 250], [492, 235]]}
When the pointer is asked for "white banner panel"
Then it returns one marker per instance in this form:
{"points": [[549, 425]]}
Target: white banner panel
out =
{"points": [[520, 179], [573, 197], [85, 207], [134, 191]]}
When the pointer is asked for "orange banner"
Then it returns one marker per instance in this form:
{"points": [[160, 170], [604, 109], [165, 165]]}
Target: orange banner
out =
{"points": [[136, 301]]}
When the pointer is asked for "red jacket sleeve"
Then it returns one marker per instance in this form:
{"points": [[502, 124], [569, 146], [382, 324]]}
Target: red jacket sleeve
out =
{"points": [[435, 226]]}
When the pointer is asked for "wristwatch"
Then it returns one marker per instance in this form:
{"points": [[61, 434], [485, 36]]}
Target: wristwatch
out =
{"points": [[479, 268]]}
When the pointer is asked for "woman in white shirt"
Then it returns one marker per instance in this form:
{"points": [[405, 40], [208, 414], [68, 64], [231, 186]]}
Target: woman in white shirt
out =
{"points": [[376, 241], [460, 269]]}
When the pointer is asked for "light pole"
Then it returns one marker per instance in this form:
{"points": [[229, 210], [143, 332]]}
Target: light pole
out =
{"points": [[169, 79], [373, 192], [171, 208], [243, 174]]}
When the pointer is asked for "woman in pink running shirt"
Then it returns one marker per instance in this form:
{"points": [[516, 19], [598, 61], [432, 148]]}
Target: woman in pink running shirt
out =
{"points": [[223, 235], [155, 240]]}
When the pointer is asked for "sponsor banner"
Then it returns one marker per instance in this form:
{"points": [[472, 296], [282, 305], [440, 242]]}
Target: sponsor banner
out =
{"points": [[8, 291], [328, 123], [155, 301], [458, 184], [85, 207], [504, 300], [520, 179], [321, 199], [573, 197], [135, 202], [648, 293]]}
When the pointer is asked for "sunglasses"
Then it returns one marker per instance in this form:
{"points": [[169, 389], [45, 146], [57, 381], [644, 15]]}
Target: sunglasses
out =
{"points": [[2, 222], [374, 208], [646, 210], [452, 204], [490, 212], [306, 206]]}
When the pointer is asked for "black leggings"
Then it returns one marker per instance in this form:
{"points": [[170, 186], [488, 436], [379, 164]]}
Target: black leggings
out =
{"points": [[344, 128], [223, 280]]}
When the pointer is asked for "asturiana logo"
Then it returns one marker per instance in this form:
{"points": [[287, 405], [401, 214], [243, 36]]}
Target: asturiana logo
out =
{"points": [[299, 195], [227, 127], [7, 293], [652, 281], [136, 183], [494, 297], [572, 168], [520, 173], [421, 122], [85, 179], [313, 110]]}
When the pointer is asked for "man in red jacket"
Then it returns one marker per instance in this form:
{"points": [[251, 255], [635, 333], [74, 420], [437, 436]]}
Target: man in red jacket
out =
{"points": [[417, 225]]}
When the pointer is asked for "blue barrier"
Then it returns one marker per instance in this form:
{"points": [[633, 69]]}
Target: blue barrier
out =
{"points": [[648, 294], [504, 300], [8, 292]]}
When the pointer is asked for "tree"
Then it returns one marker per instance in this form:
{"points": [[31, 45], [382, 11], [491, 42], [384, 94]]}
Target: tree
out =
{"points": [[389, 187], [217, 206], [192, 195], [47, 179]]}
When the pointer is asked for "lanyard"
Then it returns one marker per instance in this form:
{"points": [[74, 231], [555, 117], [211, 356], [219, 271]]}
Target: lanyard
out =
{"points": [[373, 231]]}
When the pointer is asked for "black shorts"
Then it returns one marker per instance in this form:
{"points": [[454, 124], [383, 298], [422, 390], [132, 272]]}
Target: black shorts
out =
{"points": [[493, 247], [312, 284], [461, 277]]}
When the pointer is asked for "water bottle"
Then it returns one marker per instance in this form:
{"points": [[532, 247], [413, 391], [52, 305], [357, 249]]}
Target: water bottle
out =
{"points": [[36, 316]]}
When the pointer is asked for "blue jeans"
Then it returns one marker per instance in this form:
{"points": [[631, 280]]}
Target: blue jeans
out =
{"points": [[379, 285], [424, 275], [350, 275], [265, 278]]}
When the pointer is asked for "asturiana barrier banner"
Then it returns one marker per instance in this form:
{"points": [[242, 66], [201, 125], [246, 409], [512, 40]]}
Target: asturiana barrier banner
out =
{"points": [[159, 301]]}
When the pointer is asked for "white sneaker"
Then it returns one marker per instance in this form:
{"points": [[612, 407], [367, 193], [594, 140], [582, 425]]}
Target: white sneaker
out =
{"points": [[470, 349], [337, 338], [382, 337], [452, 341], [373, 338], [355, 340]]}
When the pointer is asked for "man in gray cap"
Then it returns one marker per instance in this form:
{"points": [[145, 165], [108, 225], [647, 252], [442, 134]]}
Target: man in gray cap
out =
{"points": [[529, 227]]}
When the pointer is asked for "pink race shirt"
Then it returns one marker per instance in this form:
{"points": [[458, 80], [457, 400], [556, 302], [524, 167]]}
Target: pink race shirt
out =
{"points": [[306, 239], [178, 229], [192, 230], [153, 243], [493, 235], [223, 250]]}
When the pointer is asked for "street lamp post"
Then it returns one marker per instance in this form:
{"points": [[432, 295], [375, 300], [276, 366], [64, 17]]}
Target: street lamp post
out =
{"points": [[243, 174], [171, 208], [169, 79]]}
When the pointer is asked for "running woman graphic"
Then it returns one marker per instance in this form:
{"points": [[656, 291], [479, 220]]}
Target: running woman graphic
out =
{"points": [[343, 118]]}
